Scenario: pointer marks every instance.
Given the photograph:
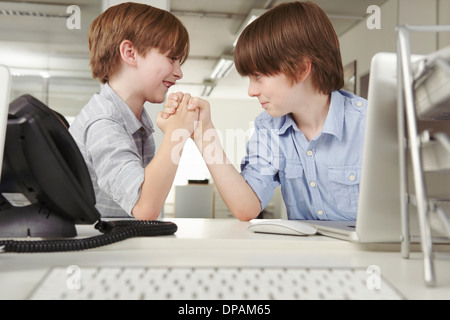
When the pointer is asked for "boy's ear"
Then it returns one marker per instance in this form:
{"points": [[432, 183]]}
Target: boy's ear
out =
{"points": [[127, 52], [305, 70]]}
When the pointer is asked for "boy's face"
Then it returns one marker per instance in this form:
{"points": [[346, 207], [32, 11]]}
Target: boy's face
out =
{"points": [[157, 72], [277, 94]]}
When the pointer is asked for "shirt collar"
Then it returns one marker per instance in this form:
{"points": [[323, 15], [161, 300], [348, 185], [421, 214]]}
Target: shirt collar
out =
{"points": [[147, 123], [334, 123], [285, 123], [132, 123]]}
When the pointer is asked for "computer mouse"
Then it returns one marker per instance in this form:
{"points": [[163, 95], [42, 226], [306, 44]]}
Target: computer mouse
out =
{"points": [[285, 227]]}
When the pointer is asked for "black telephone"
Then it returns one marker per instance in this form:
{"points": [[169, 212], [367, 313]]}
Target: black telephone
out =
{"points": [[46, 188]]}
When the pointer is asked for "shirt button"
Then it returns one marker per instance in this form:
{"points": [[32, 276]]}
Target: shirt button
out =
{"points": [[309, 153], [312, 184], [352, 177], [359, 104], [320, 212]]}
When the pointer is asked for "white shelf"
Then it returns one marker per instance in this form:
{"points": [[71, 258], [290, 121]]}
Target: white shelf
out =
{"points": [[432, 88], [424, 94]]}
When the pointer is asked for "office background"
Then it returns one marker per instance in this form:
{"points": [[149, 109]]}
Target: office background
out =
{"points": [[49, 59]]}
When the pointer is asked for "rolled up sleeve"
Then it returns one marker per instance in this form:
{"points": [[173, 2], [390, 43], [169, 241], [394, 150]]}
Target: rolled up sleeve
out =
{"points": [[259, 168]]}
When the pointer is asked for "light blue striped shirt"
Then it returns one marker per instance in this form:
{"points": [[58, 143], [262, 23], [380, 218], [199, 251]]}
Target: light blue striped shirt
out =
{"points": [[116, 147], [319, 178]]}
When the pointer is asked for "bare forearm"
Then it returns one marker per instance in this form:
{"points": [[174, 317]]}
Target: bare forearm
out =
{"points": [[158, 179], [236, 193], [234, 190]]}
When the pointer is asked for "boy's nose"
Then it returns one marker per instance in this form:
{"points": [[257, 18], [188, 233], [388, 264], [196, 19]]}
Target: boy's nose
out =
{"points": [[253, 90], [177, 71]]}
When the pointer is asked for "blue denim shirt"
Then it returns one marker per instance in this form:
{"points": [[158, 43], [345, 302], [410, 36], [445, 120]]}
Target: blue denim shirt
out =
{"points": [[319, 178]]}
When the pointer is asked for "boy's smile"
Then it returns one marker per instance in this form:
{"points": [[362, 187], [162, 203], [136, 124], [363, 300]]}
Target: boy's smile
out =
{"points": [[158, 72], [275, 94], [168, 84], [264, 105]]}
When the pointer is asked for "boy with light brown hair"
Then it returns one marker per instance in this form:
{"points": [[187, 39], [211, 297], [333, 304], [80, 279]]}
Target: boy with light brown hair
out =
{"points": [[136, 51]]}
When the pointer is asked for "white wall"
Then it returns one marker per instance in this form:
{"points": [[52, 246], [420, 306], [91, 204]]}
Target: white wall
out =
{"points": [[233, 120], [361, 43], [444, 19]]}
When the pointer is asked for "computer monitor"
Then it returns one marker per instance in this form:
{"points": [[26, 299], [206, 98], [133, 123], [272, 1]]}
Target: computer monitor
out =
{"points": [[379, 207], [45, 188]]}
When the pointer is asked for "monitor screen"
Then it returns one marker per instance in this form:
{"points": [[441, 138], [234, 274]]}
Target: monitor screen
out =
{"points": [[46, 188]]}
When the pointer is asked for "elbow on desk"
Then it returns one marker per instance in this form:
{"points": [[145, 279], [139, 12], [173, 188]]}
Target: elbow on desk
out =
{"points": [[245, 215], [246, 211], [145, 212]]}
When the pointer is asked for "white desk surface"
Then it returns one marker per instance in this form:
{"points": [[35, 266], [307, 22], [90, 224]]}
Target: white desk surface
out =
{"points": [[220, 243]]}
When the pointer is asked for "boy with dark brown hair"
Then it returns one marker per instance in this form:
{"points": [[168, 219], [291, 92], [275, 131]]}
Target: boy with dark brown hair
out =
{"points": [[310, 138]]}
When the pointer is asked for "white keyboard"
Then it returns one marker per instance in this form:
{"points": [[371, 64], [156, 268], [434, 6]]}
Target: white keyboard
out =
{"points": [[159, 283]]}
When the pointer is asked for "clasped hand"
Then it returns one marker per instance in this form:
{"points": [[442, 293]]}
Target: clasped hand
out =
{"points": [[181, 111]]}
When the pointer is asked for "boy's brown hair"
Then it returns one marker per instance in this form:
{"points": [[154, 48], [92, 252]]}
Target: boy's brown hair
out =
{"points": [[145, 26], [282, 38]]}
